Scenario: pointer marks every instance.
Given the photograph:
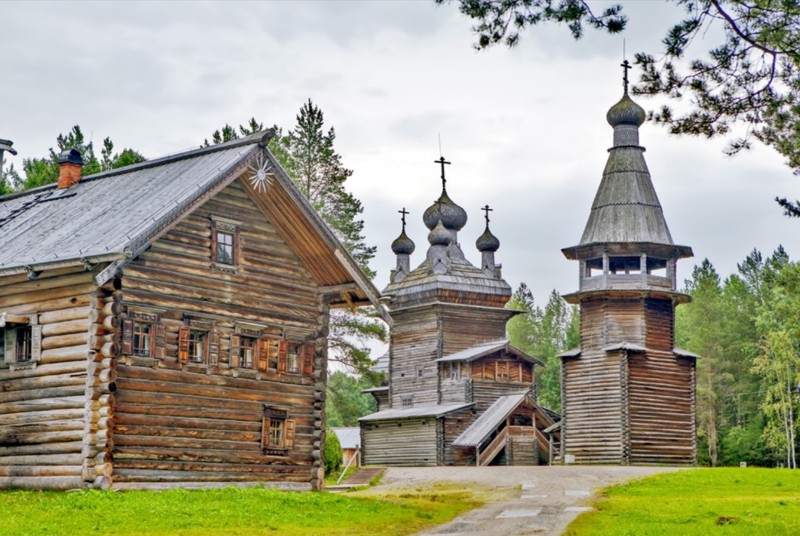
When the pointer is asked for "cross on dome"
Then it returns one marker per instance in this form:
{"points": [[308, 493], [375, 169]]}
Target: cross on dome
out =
{"points": [[442, 162]]}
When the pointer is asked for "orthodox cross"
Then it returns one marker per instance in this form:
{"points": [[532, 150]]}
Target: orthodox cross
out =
{"points": [[487, 210], [442, 163], [625, 65], [403, 213]]}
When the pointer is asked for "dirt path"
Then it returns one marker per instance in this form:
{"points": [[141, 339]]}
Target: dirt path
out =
{"points": [[525, 500]]}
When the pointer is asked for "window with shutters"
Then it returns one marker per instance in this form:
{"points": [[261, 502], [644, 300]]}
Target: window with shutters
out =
{"points": [[277, 432], [142, 335], [142, 338], [198, 342], [20, 339]]}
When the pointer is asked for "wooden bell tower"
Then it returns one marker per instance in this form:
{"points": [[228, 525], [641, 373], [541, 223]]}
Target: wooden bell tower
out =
{"points": [[627, 394]]}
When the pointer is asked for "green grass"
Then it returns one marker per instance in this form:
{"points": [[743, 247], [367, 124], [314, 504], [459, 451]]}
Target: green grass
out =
{"points": [[330, 480], [725, 501], [229, 511]]}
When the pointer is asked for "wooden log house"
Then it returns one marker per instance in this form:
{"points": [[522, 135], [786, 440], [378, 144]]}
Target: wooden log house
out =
{"points": [[627, 394], [458, 392], [165, 324]]}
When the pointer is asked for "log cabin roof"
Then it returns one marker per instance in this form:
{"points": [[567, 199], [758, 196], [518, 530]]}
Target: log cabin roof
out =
{"points": [[434, 410], [114, 215], [684, 353], [490, 419], [488, 348]]}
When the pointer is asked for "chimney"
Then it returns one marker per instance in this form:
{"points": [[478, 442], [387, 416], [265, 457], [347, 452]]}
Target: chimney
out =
{"points": [[70, 164]]}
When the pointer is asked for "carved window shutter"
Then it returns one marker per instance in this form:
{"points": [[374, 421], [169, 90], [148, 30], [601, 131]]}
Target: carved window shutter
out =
{"points": [[10, 345], [283, 355], [236, 342], [289, 439], [265, 432], [183, 344], [213, 251], [127, 337], [213, 348], [308, 359], [161, 341], [263, 354], [36, 342]]}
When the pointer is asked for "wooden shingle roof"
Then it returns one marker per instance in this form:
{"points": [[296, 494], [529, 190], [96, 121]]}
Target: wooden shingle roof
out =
{"points": [[113, 216]]}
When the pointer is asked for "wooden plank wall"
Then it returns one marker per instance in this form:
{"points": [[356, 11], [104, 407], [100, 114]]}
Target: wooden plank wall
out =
{"points": [[50, 432], [464, 327], [415, 345], [182, 423], [400, 442], [591, 392], [453, 425], [661, 395]]}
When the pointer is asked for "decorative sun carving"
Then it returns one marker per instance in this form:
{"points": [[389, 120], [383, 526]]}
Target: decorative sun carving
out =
{"points": [[262, 173]]}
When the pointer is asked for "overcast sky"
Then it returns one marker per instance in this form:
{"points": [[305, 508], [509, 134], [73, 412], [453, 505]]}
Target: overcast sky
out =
{"points": [[525, 128]]}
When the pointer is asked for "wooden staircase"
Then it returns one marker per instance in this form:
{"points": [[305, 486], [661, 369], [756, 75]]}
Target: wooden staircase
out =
{"points": [[493, 449]]}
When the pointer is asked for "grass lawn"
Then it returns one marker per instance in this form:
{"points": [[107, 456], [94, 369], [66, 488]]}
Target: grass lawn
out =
{"points": [[229, 511], [751, 501]]}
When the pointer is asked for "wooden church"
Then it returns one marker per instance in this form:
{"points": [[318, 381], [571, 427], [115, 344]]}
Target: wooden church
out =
{"points": [[627, 394], [165, 324], [458, 392]]}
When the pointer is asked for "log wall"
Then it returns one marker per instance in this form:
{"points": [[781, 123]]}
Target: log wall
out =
{"points": [[661, 395], [628, 406], [415, 345], [182, 423], [400, 442], [45, 412]]}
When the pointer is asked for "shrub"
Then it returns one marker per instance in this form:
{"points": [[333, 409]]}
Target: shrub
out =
{"points": [[333, 453]]}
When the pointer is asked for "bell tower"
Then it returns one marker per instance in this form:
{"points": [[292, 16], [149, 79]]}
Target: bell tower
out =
{"points": [[628, 395]]}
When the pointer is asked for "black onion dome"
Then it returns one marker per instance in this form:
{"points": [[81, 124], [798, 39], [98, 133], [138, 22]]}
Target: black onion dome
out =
{"points": [[439, 236], [626, 112], [451, 215], [487, 242], [403, 245]]}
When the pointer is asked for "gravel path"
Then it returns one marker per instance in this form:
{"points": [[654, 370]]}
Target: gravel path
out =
{"points": [[525, 500]]}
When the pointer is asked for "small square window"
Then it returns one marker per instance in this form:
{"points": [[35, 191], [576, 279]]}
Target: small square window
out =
{"points": [[198, 346], [142, 339], [408, 401]]}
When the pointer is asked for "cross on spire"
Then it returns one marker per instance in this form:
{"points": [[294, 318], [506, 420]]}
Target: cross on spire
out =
{"points": [[403, 213], [442, 163], [625, 66], [487, 210]]}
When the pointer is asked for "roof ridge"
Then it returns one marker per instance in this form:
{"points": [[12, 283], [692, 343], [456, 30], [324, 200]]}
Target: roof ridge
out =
{"points": [[262, 136]]}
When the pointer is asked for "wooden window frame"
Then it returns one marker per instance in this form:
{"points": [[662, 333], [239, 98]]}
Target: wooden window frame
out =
{"points": [[136, 334], [246, 342], [198, 338], [294, 358], [210, 342], [231, 229], [277, 431], [16, 327]]}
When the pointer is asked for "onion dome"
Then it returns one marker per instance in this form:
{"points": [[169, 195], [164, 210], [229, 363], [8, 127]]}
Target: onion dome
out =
{"points": [[439, 236], [625, 112], [487, 242], [403, 245], [444, 210]]}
